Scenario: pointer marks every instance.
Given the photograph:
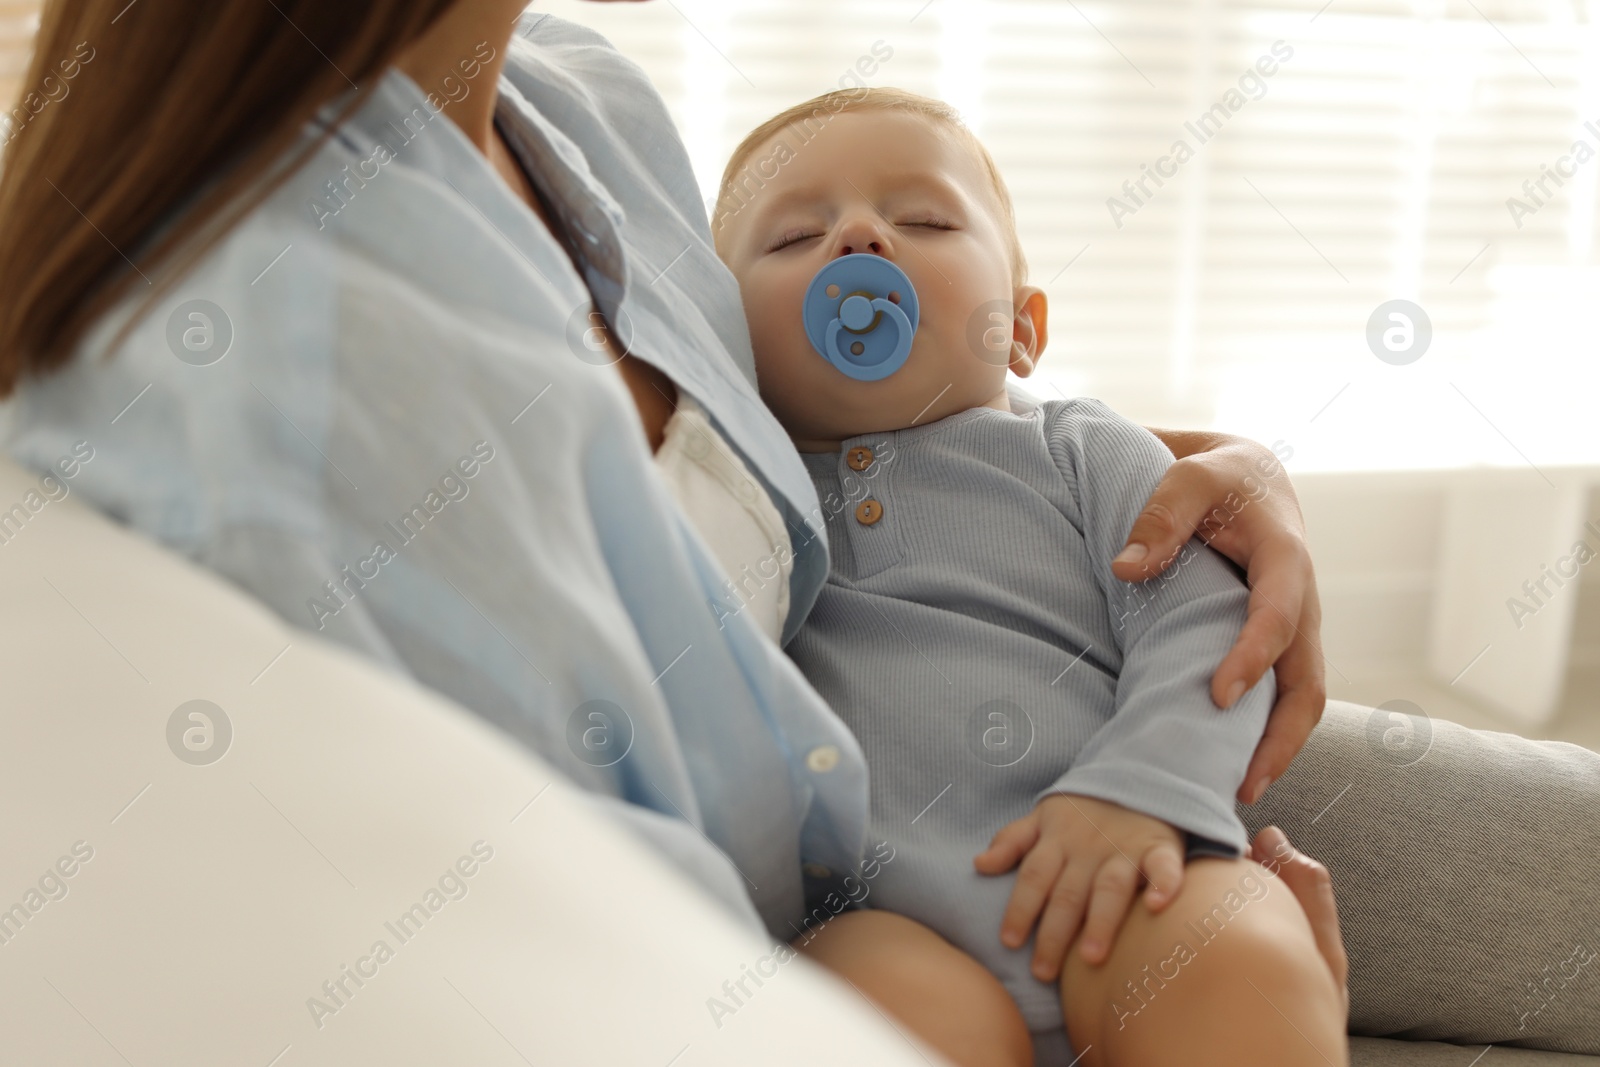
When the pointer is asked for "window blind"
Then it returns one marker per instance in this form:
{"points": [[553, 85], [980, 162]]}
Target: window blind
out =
{"points": [[1374, 162], [1437, 151]]}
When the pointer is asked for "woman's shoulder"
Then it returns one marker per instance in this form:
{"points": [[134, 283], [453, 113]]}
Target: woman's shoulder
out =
{"points": [[584, 51], [220, 390], [549, 30], [390, 214], [606, 103]]}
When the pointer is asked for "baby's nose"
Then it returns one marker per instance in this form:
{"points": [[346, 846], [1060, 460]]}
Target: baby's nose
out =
{"points": [[863, 235], [872, 246]]}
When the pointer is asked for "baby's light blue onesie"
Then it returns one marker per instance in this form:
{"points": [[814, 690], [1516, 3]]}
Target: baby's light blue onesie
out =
{"points": [[973, 637]]}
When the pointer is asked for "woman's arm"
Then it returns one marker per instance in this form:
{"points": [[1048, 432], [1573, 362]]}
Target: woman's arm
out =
{"points": [[1234, 494]]}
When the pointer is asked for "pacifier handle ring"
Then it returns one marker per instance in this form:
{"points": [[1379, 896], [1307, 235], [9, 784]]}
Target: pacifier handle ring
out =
{"points": [[885, 367], [873, 325]]}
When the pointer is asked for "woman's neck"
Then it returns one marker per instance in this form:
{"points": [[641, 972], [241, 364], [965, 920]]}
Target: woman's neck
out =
{"points": [[454, 49]]}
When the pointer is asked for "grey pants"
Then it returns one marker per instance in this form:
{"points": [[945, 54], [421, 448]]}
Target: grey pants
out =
{"points": [[1466, 867]]}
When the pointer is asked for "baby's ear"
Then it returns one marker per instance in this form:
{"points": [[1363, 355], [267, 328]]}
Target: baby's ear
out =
{"points": [[1029, 329]]}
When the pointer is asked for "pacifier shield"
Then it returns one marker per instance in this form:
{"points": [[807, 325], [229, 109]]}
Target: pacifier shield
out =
{"points": [[860, 314]]}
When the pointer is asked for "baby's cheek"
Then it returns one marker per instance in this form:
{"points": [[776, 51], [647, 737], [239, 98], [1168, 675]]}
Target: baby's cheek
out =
{"points": [[782, 381]]}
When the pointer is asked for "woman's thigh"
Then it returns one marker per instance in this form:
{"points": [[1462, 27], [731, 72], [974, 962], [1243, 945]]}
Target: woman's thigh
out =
{"points": [[1191, 968], [928, 985]]}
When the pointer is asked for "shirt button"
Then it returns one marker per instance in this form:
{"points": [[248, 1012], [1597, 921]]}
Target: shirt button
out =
{"points": [[747, 492], [816, 870], [868, 512], [823, 758], [859, 458]]}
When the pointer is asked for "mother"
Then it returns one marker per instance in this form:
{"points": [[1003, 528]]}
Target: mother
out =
{"points": [[403, 315]]}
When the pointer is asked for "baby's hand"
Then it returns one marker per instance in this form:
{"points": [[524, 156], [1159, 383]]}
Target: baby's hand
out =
{"points": [[1081, 853]]}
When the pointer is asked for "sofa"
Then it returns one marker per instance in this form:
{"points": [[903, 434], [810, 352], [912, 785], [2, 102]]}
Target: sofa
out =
{"points": [[230, 841]]}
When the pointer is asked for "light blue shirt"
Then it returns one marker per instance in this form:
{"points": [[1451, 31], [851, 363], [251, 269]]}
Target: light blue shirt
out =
{"points": [[388, 424]]}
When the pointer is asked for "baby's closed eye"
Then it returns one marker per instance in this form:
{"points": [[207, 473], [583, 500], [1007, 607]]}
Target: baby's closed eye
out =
{"points": [[791, 237]]}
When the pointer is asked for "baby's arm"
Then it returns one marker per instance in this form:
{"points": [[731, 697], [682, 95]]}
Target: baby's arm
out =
{"points": [[1168, 762]]}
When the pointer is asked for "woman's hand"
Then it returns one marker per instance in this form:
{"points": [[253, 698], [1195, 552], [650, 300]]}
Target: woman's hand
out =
{"points": [[1235, 495], [1312, 886]]}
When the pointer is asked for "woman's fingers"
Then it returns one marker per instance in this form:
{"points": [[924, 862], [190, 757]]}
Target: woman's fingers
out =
{"points": [[1302, 696], [1114, 887], [1281, 631], [1009, 845], [1184, 497], [1280, 574], [1163, 869], [1312, 886]]}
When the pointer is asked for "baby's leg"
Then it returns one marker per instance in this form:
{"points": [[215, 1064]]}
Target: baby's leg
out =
{"points": [[927, 985], [1228, 973]]}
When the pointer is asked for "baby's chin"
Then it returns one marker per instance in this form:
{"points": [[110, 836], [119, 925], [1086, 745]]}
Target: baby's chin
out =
{"points": [[814, 430], [829, 407], [811, 431]]}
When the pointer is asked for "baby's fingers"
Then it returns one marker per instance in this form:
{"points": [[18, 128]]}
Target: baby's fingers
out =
{"points": [[1009, 845], [1163, 869], [1061, 920], [1036, 878], [1113, 891]]}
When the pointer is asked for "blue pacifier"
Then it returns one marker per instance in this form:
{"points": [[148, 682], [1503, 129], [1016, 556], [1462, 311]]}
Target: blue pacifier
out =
{"points": [[860, 313]]}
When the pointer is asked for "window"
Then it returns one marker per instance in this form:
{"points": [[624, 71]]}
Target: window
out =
{"points": [[1340, 155], [1336, 155]]}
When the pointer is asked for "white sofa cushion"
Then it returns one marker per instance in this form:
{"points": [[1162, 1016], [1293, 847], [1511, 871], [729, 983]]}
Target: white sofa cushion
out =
{"points": [[208, 902]]}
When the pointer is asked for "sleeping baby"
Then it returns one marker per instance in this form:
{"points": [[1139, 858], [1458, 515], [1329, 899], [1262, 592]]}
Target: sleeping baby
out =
{"points": [[1040, 737]]}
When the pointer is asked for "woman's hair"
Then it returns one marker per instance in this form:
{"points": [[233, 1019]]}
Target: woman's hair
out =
{"points": [[130, 112], [810, 117]]}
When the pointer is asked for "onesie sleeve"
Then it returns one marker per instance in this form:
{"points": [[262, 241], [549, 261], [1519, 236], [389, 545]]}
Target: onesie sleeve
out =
{"points": [[1167, 750]]}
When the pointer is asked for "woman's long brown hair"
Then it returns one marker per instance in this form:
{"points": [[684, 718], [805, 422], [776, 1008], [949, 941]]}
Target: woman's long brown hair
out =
{"points": [[176, 98]]}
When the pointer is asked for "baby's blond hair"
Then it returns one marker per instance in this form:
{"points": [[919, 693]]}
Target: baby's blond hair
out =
{"points": [[809, 117]]}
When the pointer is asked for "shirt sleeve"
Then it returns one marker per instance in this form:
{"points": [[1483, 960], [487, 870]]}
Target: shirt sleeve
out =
{"points": [[1167, 750]]}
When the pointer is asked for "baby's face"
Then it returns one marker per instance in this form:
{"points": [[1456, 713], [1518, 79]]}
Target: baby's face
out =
{"points": [[901, 186]]}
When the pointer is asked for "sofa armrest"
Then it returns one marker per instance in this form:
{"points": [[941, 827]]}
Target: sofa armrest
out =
{"points": [[1466, 865]]}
